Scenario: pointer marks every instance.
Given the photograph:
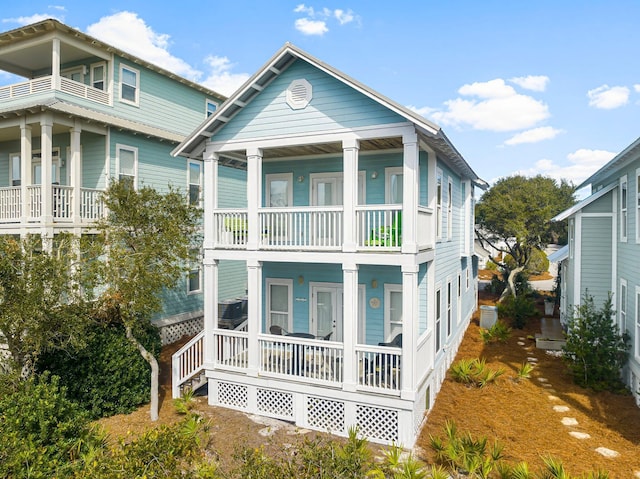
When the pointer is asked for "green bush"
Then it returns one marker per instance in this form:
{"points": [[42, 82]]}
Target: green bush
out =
{"points": [[474, 372], [108, 376], [595, 349], [518, 309], [538, 264], [41, 430], [499, 332]]}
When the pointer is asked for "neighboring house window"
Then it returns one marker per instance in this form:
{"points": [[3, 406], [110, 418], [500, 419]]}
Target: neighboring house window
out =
{"points": [[99, 76], [449, 209], [75, 74], [129, 85], [279, 303], [572, 239], [438, 318], [638, 205], [279, 192], [392, 311], [623, 208], [438, 204], [637, 323], [393, 186], [195, 182], [622, 307], [15, 166], [449, 307], [459, 302], [194, 279], [468, 278], [36, 167], [127, 164], [210, 107]]}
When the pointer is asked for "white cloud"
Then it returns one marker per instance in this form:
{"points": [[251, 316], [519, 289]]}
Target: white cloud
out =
{"points": [[221, 79], [608, 98], [130, 33], [531, 82], [38, 17], [315, 21], [424, 111], [582, 164], [636, 87], [311, 27], [534, 135], [499, 108]]}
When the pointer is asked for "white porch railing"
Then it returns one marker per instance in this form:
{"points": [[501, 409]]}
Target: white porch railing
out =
{"points": [[35, 201], [426, 236], [314, 228], [44, 84], [91, 204], [312, 359], [379, 227], [186, 363], [10, 201], [62, 201], [233, 348], [231, 228], [380, 367]]}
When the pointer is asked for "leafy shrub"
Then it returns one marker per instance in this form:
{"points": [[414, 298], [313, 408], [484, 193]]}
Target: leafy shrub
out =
{"points": [[108, 376], [538, 264], [518, 309], [474, 372], [524, 371], [499, 332], [595, 349], [496, 285], [41, 430]]}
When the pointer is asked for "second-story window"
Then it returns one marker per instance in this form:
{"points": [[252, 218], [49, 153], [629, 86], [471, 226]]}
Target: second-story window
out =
{"points": [[127, 164], [449, 209], [15, 169], [210, 107], [638, 205], [98, 76], [129, 85], [195, 182], [623, 208], [393, 185], [438, 204]]}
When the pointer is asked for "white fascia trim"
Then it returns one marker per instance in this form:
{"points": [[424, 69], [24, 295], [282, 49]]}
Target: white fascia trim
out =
{"points": [[578, 206]]}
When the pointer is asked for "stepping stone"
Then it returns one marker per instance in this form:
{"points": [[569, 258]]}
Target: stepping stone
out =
{"points": [[554, 398], [607, 452], [532, 360], [520, 343], [637, 474], [579, 435], [559, 408], [521, 338], [569, 421], [543, 380]]}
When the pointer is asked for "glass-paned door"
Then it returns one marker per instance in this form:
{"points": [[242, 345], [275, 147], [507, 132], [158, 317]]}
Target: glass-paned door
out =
{"points": [[327, 311], [326, 191], [279, 313]]}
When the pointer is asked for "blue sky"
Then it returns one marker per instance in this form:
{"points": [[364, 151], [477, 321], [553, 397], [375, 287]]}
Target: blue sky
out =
{"points": [[518, 86]]}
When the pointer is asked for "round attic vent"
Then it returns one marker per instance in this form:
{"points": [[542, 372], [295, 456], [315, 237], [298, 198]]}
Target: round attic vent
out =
{"points": [[299, 94]]}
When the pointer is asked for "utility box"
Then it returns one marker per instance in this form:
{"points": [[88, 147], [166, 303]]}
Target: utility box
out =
{"points": [[230, 309], [488, 316]]}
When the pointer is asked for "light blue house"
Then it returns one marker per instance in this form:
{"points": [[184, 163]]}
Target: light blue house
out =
{"points": [[357, 236], [77, 112], [603, 254]]}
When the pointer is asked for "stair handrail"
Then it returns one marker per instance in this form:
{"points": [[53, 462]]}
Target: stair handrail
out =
{"points": [[187, 362]]}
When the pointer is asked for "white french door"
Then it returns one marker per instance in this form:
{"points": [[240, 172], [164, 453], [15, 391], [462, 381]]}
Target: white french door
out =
{"points": [[327, 310]]}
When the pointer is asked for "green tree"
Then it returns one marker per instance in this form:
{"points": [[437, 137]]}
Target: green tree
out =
{"points": [[41, 302], [595, 350], [149, 242], [514, 215]]}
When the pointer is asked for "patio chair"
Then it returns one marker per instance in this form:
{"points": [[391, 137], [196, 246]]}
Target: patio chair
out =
{"points": [[277, 330], [387, 235], [396, 342]]}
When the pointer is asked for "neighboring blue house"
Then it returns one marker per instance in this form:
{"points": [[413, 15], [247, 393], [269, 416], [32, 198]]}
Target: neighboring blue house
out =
{"points": [[80, 112], [603, 254], [358, 238]]}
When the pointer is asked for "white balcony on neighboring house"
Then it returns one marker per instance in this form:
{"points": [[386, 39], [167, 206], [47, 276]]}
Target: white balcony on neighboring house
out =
{"points": [[46, 84]]}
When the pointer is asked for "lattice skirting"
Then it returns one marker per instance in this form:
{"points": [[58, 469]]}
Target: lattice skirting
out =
{"points": [[170, 333]]}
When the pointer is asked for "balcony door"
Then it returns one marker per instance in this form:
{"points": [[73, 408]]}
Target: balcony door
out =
{"points": [[36, 168], [327, 311]]}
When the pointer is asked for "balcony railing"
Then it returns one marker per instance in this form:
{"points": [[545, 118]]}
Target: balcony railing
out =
{"points": [[379, 227], [314, 228], [46, 83], [91, 204]]}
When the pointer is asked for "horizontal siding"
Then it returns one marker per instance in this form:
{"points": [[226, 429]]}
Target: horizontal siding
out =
{"points": [[334, 105], [232, 188], [596, 261], [94, 169]]}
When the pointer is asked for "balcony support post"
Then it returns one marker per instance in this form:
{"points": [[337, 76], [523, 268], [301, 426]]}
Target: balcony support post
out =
{"points": [[210, 198], [46, 125], [254, 196], [55, 63], [410, 192], [254, 314], [350, 149], [350, 325], [25, 169], [409, 330], [210, 267], [75, 172]]}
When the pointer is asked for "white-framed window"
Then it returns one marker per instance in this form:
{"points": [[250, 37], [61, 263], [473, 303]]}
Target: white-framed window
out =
{"points": [[638, 205], [99, 76], [210, 107], [279, 303], [75, 74], [392, 311], [127, 164], [279, 190], [194, 180], [438, 323], [36, 167], [623, 209], [449, 208], [622, 306], [15, 174], [393, 189], [194, 277], [467, 278], [572, 237], [459, 299], [129, 85], [637, 321], [438, 203], [449, 307]]}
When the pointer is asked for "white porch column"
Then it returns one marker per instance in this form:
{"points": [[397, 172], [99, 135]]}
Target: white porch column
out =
{"points": [[409, 330], [432, 185], [55, 63], [350, 325], [210, 287], [25, 169], [75, 171], [254, 314], [46, 196], [410, 193], [350, 193], [254, 196], [210, 173]]}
